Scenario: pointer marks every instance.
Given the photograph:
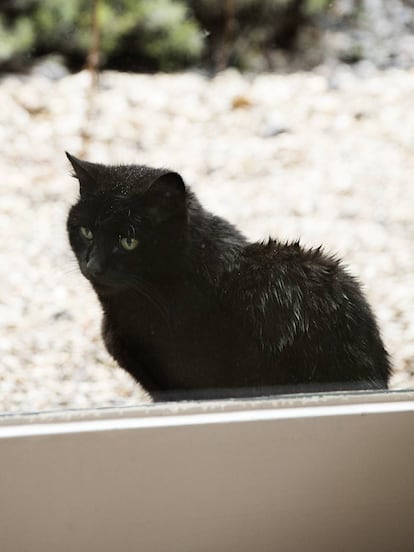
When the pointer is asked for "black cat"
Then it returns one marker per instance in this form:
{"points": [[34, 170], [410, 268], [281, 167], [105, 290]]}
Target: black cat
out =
{"points": [[191, 309]]}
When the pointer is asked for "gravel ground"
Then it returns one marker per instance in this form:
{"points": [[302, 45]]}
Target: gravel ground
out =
{"points": [[326, 156]]}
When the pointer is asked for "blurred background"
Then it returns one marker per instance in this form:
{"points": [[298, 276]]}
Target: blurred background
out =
{"points": [[51, 37], [291, 118]]}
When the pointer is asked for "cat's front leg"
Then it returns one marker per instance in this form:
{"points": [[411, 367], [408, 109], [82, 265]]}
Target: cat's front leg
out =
{"points": [[126, 357]]}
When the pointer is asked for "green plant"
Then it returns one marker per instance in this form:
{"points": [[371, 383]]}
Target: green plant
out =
{"points": [[312, 7], [154, 34], [16, 38], [160, 33]]}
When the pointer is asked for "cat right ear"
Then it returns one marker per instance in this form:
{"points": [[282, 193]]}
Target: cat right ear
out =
{"points": [[84, 172]]}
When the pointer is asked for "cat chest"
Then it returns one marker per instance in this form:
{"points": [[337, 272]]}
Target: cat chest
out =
{"points": [[186, 348]]}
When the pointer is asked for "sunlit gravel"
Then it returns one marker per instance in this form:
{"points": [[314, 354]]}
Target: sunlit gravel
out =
{"points": [[326, 156]]}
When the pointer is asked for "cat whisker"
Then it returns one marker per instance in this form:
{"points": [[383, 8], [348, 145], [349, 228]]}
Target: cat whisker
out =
{"points": [[72, 267]]}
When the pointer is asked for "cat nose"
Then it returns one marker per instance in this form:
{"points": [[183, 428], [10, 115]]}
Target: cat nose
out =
{"points": [[94, 267]]}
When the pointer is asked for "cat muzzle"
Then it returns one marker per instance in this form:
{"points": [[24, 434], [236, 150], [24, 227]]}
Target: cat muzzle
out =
{"points": [[93, 268]]}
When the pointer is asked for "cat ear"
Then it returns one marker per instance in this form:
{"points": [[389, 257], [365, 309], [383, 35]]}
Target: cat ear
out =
{"points": [[84, 172], [167, 196]]}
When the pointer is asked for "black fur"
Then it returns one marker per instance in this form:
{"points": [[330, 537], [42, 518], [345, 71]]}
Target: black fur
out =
{"points": [[196, 311]]}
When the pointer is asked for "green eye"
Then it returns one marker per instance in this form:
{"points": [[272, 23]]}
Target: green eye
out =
{"points": [[86, 233], [128, 243]]}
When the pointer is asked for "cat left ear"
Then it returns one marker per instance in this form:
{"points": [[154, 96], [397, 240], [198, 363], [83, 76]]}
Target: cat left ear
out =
{"points": [[84, 172], [170, 184], [167, 194]]}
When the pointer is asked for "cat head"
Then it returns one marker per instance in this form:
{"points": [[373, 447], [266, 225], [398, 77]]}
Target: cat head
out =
{"points": [[128, 224]]}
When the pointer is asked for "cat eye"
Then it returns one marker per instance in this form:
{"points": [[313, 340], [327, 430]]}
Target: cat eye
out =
{"points": [[128, 243], [86, 233]]}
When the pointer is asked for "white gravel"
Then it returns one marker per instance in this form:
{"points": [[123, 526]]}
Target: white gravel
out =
{"points": [[325, 156]]}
